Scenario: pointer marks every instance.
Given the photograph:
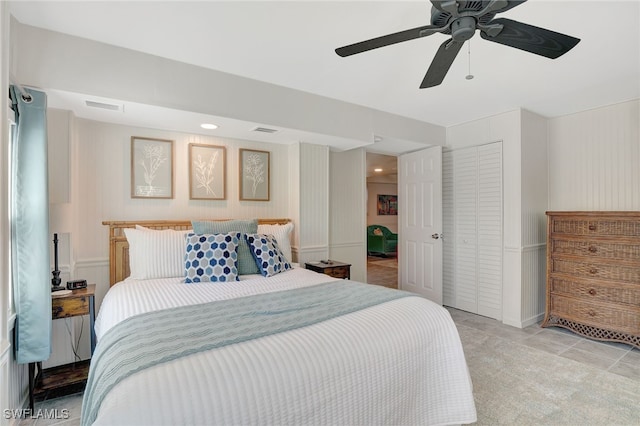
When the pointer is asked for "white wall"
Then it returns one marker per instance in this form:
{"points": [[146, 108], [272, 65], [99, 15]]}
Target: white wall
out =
{"points": [[347, 234], [506, 128], [534, 222], [524, 139], [90, 175], [102, 191], [594, 159], [53, 60]]}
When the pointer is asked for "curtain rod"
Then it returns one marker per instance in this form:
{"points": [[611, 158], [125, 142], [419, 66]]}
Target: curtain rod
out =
{"points": [[25, 96]]}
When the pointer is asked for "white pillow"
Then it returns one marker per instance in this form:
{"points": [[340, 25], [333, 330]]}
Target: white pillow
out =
{"points": [[282, 234], [156, 253]]}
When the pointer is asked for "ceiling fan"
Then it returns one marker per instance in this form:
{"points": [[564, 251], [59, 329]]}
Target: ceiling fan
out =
{"points": [[461, 19]]}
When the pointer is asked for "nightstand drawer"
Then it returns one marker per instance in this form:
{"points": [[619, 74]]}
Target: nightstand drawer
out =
{"points": [[65, 307], [333, 269], [338, 272]]}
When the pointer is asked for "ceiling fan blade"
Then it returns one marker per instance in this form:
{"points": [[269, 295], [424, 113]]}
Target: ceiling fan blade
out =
{"points": [[449, 6], [388, 39], [441, 63], [531, 39], [511, 4]]}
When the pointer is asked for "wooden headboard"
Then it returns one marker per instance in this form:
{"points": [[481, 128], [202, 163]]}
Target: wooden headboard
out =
{"points": [[119, 247]]}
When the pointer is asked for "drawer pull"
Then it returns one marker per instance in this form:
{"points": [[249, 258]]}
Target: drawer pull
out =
{"points": [[592, 227], [592, 292], [593, 249], [592, 313], [593, 271]]}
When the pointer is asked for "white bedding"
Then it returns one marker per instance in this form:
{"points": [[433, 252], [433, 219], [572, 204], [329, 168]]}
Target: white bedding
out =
{"points": [[400, 362]]}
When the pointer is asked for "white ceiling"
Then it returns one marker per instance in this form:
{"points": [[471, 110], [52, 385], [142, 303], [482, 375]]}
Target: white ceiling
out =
{"points": [[291, 43]]}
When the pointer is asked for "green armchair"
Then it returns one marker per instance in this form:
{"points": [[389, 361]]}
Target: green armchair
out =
{"points": [[381, 240]]}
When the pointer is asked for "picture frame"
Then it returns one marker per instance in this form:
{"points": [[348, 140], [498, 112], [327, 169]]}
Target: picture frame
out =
{"points": [[387, 205], [207, 172], [255, 171], [151, 168]]}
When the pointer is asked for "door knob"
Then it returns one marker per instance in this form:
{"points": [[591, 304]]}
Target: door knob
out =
{"points": [[436, 236]]}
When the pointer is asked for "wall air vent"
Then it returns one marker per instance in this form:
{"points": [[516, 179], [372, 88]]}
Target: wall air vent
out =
{"points": [[102, 105], [264, 130]]}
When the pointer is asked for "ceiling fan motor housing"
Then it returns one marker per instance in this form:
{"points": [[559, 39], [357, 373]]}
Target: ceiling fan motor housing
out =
{"points": [[462, 29]]}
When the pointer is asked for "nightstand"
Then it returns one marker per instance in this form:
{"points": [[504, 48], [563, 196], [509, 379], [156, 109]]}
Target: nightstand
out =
{"points": [[332, 268], [69, 378]]}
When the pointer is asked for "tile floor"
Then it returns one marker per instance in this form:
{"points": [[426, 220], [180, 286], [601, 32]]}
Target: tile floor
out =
{"points": [[618, 358]]}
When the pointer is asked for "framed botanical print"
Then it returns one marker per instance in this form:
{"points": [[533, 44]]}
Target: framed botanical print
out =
{"points": [[207, 172], [151, 168], [254, 175]]}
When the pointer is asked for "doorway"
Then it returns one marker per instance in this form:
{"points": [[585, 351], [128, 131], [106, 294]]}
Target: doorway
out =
{"points": [[382, 217]]}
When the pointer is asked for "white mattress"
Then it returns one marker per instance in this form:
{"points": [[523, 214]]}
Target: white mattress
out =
{"points": [[399, 362]]}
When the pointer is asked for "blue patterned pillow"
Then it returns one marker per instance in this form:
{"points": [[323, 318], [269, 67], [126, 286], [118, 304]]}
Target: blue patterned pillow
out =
{"points": [[268, 256], [246, 264], [211, 257]]}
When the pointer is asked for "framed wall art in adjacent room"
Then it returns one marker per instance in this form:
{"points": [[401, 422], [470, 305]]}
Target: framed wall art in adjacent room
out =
{"points": [[254, 175], [151, 168], [387, 205], [207, 172]]}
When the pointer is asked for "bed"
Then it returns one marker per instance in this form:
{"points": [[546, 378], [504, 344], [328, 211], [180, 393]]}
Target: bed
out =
{"points": [[296, 348]]}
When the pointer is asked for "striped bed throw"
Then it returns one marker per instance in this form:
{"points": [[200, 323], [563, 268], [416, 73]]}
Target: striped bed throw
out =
{"points": [[156, 337]]}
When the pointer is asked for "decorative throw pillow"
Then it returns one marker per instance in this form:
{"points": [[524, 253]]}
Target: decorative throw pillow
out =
{"points": [[211, 257], [155, 253], [377, 231], [246, 263], [282, 233], [269, 257]]}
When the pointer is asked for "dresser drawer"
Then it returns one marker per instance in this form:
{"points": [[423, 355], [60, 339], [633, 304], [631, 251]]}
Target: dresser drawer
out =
{"points": [[596, 249], [628, 294], [602, 271], [613, 227], [603, 315]]}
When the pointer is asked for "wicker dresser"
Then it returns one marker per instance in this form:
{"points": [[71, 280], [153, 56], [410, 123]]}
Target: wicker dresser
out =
{"points": [[593, 274]]}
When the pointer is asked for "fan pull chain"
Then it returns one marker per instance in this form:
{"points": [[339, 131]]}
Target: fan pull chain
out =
{"points": [[469, 76]]}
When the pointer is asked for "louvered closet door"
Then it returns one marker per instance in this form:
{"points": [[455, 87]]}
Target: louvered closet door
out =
{"points": [[489, 227], [465, 196], [472, 210], [448, 223]]}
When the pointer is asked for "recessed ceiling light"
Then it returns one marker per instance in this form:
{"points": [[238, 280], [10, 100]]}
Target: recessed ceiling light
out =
{"points": [[377, 170], [208, 126]]}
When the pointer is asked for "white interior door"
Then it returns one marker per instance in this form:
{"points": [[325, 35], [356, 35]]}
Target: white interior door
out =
{"points": [[420, 210]]}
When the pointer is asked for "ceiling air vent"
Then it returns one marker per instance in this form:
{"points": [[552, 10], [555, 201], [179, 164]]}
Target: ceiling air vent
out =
{"points": [[264, 130], [102, 105]]}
